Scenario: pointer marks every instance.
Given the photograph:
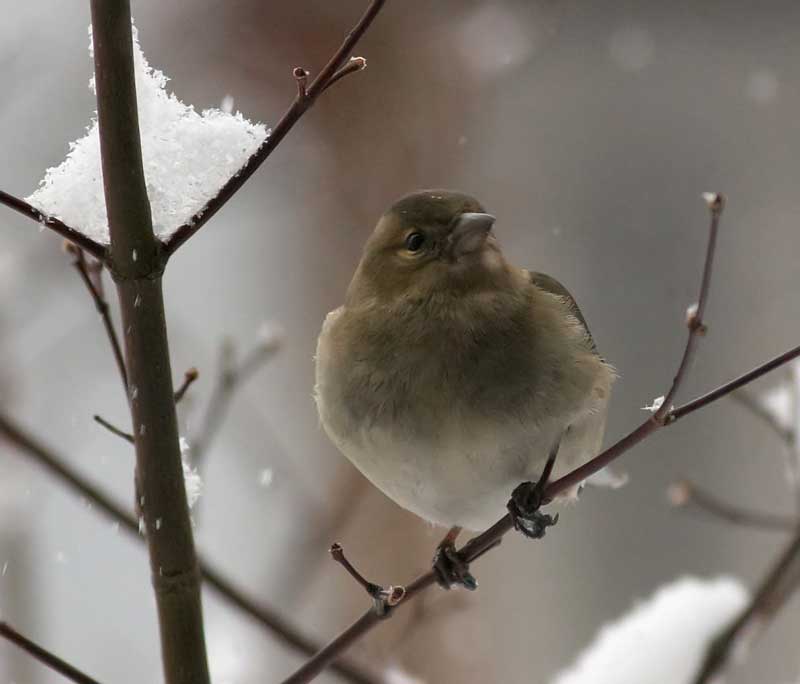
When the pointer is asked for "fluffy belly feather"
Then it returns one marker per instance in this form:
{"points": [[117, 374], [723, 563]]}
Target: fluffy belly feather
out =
{"points": [[464, 479]]}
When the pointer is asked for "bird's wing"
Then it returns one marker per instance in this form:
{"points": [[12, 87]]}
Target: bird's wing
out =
{"points": [[592, 427], [551, 285]]}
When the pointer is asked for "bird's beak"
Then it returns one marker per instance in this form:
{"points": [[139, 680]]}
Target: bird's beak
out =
{"points": [[469, 233]]}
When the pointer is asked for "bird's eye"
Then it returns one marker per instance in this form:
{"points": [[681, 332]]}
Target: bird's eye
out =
{"points": [[414, 242]]}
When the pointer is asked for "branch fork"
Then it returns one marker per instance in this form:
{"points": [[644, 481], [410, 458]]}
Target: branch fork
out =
{"points": [[385, 598]]}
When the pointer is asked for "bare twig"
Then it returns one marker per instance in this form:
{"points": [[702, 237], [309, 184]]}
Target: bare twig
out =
{"points": [[303, 101], [93, 286], [269, 618], [665, 415], [44, 656], [355, 64], [188, 378], [685, 493], [301, 77], [113, 429], [77, 238], [733, 385], [384, 598], [230, 376], [775, 589], [757, 409]]}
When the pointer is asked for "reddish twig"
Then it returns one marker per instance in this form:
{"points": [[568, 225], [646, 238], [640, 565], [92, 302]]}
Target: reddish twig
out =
{"points": [[44, 656], [98, 251], [188, 378], [733, 385], [685, 493], [334, 70], [269, 618]]}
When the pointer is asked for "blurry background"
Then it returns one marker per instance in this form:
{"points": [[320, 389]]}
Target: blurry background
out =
{"points": [[590, 130]]}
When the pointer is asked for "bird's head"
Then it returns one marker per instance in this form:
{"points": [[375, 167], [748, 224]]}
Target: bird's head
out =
{"points": [[431, 241]]}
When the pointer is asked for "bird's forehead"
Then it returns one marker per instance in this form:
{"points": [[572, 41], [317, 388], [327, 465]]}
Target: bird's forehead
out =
{"points": [[432, 206]]}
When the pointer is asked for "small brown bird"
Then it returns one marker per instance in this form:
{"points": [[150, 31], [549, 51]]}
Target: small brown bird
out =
{"points": [[449, 376]]}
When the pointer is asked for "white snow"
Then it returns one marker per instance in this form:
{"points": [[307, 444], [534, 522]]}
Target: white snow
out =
{"points": [[778, 402], [657, 402], [662, 640], [396, 675], [192, 479], [187, 158], [265, 477]]}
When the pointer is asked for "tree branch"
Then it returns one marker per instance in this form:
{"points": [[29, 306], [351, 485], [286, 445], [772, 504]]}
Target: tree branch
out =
{"points": [[79, 262], [44, 656], [663, 416], [333, 71], [137, 261], [188, 378], [733, 385], [286, 633], [230, 376], [113, 429], [770, 596], [757, 409], [77, 238], [685, 493]]}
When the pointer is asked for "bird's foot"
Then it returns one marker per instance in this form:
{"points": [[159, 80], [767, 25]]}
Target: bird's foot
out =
{"points": [[523, 507], [448, 565]]}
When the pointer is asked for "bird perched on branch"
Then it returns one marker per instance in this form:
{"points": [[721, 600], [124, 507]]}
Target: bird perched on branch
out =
{"points": [[449, 376]]}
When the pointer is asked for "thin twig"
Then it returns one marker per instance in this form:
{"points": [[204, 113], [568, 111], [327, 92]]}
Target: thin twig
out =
{"points": [[84, 270], [188, 378], [303, 101], [113, 429], [268, 617], [757, 409], [664, 413], [685, 493], [98, 251], [733, 385], [770, 596], [355, 64], [385, 598], [44, 656], [230, 377], [477, 546]]}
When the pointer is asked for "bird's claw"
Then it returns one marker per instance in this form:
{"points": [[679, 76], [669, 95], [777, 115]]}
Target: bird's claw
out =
{"points": [[451, 569], [523, 507]]}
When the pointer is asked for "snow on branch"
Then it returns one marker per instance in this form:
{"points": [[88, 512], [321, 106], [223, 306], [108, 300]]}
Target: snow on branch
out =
{"points": [[663, 639], [187, 158]]}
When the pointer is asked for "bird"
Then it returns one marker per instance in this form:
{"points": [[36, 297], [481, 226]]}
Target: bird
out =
{"points": [[450, 376]]}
